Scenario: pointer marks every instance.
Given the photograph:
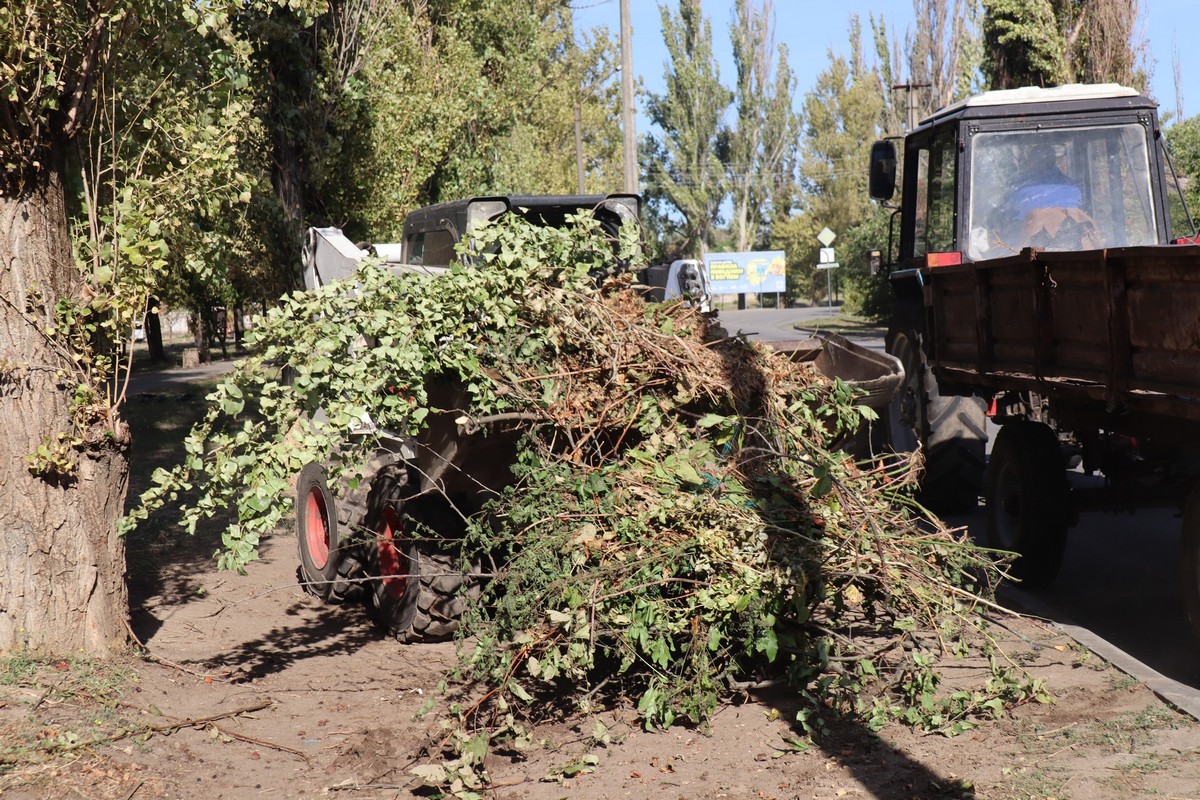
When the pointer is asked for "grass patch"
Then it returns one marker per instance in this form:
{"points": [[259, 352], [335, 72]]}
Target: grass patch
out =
{"points": [[1154, 717], [1133, 730], [54, 704], [1022, 783], [844, 324]]}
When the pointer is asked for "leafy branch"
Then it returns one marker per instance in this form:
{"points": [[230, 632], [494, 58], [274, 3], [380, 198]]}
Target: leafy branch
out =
{"points": [[679, 519]]}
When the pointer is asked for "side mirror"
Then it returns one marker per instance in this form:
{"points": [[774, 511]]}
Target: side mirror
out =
{"points": [[883, 170]]}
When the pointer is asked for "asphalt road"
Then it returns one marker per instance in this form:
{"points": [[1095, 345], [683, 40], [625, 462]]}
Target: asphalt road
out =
{"points": [[176, 379], [1118, 591], [777, 324]]}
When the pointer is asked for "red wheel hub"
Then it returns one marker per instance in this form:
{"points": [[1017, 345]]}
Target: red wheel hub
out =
{"points": [[393, 564], [316, 527]]}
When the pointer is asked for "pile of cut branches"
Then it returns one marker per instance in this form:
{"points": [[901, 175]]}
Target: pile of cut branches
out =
{"points": [[679, 522]]}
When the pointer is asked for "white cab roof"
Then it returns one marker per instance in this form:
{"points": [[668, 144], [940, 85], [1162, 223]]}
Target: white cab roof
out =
{"points": [[1036, 94]]}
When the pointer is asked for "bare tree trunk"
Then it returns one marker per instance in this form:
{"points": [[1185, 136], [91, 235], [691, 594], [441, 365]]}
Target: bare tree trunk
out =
{"points": [[62, 565], [201, 334], [154, 339]]}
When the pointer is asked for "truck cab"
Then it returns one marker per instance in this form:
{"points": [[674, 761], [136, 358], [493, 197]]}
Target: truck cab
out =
{"points": [[431, 233]]}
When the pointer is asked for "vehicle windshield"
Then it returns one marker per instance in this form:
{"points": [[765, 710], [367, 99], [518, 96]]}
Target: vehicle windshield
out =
{"points": [[1060, 189]]}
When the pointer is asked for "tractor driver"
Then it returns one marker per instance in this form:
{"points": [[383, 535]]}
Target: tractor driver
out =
{"points": [[1042, 209]]}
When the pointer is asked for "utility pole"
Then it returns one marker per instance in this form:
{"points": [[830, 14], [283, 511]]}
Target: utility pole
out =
{"points": [[627, 119], [578, 147], [910, 101]]}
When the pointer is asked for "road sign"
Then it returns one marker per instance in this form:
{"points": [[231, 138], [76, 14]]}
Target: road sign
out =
{"points": [[826, 237], [830, 265], [827, 255]]}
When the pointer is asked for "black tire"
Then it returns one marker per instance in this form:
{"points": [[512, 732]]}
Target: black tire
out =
{"points": [[1028, 500], [1189, 563], [951, 430], [419, 592], [316, 531], [353, 533]]}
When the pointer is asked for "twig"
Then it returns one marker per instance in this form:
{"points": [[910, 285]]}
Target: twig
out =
{"points": [[168, 728], [38, 703], [264, 742], [166, 662], [476, 424]]}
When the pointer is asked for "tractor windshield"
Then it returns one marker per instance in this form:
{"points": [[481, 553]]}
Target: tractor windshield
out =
{"points": [[1078, 188]]}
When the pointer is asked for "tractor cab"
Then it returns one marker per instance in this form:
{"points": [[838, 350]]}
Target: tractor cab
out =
{"points": [[1070, 168]]}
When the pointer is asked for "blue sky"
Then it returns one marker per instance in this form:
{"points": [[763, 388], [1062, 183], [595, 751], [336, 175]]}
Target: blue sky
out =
{"points": [[810, 28]]}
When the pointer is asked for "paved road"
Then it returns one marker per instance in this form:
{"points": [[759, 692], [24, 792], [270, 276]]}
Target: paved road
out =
{"points": [[1118, 592], [176, 379], [775, 324]]}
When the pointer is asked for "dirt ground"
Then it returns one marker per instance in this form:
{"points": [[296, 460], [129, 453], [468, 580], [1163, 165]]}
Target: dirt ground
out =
{"points": [[328, 709], [251, 688]]}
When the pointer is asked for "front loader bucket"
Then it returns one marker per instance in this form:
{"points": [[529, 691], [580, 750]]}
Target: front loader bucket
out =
{"points": [[876, 373]]}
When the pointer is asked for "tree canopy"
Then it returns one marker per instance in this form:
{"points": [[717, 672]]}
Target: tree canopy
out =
{"points": [[1052, 42], [683, 168]]}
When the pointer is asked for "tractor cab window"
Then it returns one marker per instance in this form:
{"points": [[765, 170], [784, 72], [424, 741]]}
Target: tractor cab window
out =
{"points": [[432, 248], [936, 186], [1077, 188]]}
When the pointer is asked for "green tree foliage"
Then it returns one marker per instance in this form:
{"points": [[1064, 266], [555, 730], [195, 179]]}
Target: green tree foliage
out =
{"points": [[1052, 42], [167, 172], [376, 107], [1023, 44], [762, 146], [1184, 140], [157, 178], [684, 178], [866, 295], [842, 116]]}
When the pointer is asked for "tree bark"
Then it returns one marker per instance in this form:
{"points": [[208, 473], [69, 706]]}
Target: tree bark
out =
{"points": [[62, 565]]}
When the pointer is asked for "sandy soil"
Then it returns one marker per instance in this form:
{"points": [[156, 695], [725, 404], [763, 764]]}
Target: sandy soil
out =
{"points": [[329, 708]]}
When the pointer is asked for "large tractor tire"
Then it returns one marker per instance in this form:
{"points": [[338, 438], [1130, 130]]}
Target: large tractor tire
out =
{"points": [[330, 562], [1189, 563], [415, 590], [1028, 500], [316, 531], [950, 430]]}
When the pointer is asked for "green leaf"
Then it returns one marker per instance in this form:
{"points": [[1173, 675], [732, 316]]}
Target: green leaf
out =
{"points": [[685, 472], [432, 775]]}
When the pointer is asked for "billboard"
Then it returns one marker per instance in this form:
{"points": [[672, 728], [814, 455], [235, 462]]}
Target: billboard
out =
{"points": [[746, 273]]}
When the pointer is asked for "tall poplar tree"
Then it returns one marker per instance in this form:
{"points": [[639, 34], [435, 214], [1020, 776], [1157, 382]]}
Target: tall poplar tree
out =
{"points": [[842, 116], [762, 146], [684, 178], [1052, 42], [943, 53]]}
